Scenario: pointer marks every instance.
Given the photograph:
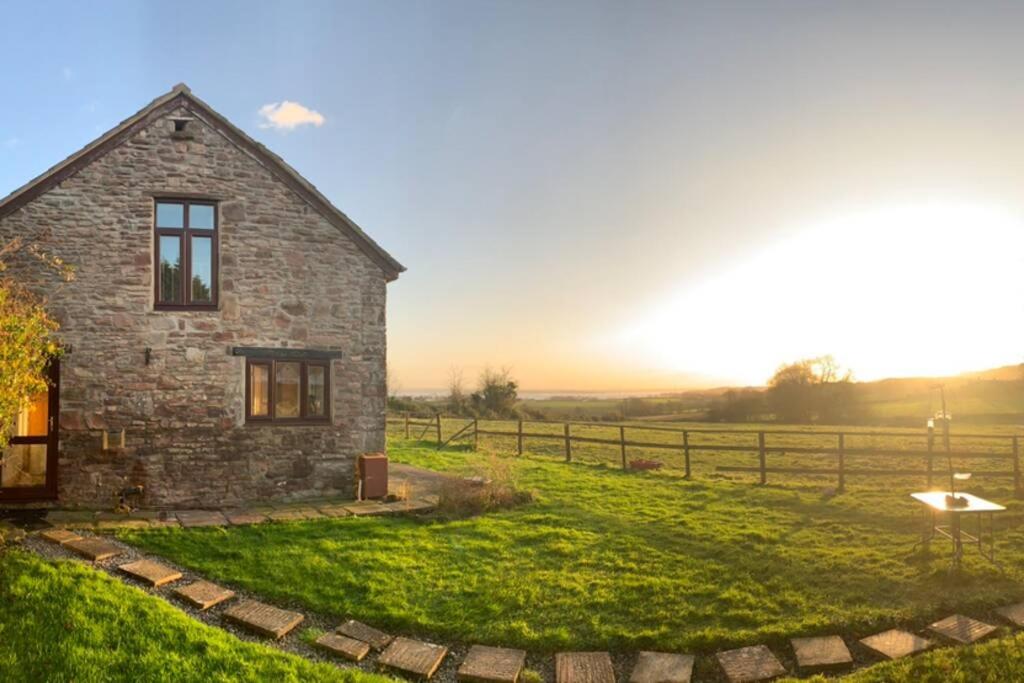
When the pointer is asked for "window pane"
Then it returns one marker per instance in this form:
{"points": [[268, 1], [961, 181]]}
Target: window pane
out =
{"points": [[24, 465], [202, 269], [286, 390], [170, 270], [259, 388], [33, 419], [315, 387], [200, 217], [170, 215]]}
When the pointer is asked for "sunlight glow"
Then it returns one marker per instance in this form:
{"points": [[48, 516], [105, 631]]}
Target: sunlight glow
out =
{"points": [[931, 289]]}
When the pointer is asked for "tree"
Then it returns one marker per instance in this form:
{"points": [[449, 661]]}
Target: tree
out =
{"points": [[27, 335], [737, 405], [812, 389], [458, 402], [496, 395]]}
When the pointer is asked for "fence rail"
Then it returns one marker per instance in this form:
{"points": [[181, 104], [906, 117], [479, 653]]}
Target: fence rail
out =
{"points": [[686, 446]]}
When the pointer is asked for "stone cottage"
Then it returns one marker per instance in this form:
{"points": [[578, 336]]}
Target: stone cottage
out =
{"points": [[224, 336]]}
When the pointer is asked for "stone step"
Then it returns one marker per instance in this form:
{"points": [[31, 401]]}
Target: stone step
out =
{"points": [[376, 639], [961, 629], [662, 667], [242, 517], [821, 653], [413, 657], [749, 664], [1013, 613], [584, 667], [264, 619], [349, 648], [368, 508], [153, 573], [93, 548], [60, 536], [200, 518], [203, 594], [485, 664], [894, 643]]}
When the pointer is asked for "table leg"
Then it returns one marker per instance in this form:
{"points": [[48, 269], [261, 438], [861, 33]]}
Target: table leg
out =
{"points": [[958, 546]]}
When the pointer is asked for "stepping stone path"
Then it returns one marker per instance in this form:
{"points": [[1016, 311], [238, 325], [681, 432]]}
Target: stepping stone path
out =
{"points": [[1013, 613], [584, 667], [60, 536], [492, 665], [749, 664], [198, 518], [963, 630], [820, 653], [349, 648], [662, 667], [413, 657], [93, 548], [895, 643], [262, 618], [203, 594], [153, 573], [378, 640]]}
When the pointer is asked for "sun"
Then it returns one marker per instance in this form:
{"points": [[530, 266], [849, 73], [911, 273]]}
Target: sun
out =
{"points": [[929, 289]]}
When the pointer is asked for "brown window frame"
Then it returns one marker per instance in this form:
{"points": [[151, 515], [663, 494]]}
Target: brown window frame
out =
{"points": [[185, 235], [304, 416]]}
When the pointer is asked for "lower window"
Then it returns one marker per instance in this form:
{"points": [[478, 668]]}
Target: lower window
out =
{"points": [[287, 391]]}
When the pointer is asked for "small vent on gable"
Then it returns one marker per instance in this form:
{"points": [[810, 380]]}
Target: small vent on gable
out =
{"points": [[182, 129]]}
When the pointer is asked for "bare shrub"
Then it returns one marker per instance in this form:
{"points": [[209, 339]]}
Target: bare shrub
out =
{"points": [[492, 488]]}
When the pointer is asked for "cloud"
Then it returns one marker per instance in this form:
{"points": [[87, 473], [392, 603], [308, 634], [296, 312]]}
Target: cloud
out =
{"points": [[289, 116], [67, 73]]}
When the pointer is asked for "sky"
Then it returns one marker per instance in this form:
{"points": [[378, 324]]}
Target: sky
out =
{"points": [[606, 196]]}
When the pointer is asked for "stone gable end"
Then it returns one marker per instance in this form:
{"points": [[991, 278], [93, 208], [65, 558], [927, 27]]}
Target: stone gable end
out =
{"points": [[288, 278]]}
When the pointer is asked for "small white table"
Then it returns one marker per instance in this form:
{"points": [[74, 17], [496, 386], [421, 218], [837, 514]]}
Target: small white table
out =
{"points": [[935, 504]]}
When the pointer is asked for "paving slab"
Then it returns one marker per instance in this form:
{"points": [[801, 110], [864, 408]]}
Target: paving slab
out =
{"points": [[346, 647], [662, 667], [368, 507], [414, 505], [58, 517], [203, 594], [153, 573], [376, 639], [413, 657], [333, 510], [288, 515], [93, 548], [199, 518], [485, 664], [821, 653], [584, 667], [749, 664], [961, 629], [60, 536], [262, 618], [1013, 613], [241, 517], [895, 643]]}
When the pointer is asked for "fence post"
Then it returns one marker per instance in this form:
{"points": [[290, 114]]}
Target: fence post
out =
{"points": [[686, 452], [568, 444], [439, 430], [931, 455], [476, 434], [761, 457], [519, 440], [1016, 468], [622, 445], [842, 462], [407, 426]]}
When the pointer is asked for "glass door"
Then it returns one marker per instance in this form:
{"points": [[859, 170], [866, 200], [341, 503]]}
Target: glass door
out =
{"points": [[28, 469]]}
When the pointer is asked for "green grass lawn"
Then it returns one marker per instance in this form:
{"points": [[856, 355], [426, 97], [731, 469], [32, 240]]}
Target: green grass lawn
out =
{"points": [[63, 621], [606, 559]]}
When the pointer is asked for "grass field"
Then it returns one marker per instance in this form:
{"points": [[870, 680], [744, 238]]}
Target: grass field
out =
{"points": [[63, 621], [730, 563]]}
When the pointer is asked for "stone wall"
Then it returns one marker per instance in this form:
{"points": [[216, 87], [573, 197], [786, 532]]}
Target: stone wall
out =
{"points": [[288, 278]]}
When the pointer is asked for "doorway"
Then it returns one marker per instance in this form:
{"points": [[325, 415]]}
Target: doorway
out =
{"points": [[28, 470]]}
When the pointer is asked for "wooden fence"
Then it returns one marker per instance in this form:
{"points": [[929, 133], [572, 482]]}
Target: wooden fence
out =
{"points": [[689, 442]]}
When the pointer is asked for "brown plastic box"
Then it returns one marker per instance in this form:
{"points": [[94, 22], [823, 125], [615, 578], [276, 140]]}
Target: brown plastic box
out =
{"points": [[373, 475]]}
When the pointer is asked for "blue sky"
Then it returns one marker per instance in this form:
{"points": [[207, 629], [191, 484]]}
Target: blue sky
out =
{"points": [[558, 176]]}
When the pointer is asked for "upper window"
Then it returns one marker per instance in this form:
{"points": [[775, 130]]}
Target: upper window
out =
{"points": [[287, 390], [186, 254]]}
